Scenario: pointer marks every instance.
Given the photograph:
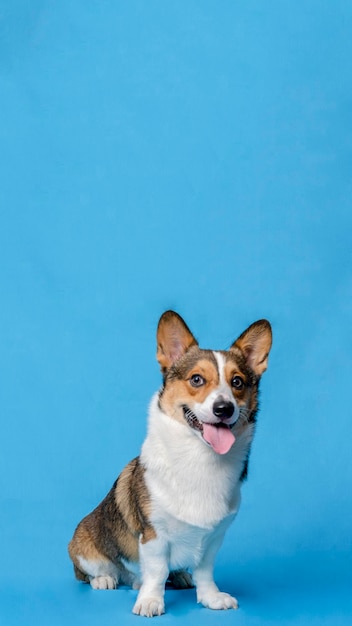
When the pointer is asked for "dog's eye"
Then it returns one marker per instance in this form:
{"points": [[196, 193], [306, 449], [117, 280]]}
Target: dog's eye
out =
{"points": [[237, 382], [197, 380]]}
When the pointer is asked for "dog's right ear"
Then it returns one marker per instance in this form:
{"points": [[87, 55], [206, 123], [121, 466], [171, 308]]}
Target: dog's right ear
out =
{"points": [[174, 338]]}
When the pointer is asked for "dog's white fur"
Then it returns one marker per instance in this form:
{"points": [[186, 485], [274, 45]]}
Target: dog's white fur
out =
{"points": [[193, 503]]}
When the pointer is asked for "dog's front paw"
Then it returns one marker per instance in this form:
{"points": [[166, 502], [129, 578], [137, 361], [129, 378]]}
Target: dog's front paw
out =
{"points": [[149, 606], [218, 600]]}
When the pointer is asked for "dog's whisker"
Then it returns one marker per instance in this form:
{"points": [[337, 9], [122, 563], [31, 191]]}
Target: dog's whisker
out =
{"points": [[245, 413]]}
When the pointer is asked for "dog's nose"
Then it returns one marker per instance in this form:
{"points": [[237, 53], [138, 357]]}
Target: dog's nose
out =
{"points": [[223, 409]]}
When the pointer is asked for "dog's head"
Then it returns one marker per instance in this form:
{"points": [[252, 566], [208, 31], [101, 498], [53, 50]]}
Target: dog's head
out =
{"points": [[212, 392]]}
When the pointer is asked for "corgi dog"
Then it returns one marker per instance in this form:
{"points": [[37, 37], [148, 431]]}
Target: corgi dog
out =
{"points": [[167, 513]]}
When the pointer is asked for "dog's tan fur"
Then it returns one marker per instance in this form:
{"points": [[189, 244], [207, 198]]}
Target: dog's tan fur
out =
{"points": [[113, 529]]}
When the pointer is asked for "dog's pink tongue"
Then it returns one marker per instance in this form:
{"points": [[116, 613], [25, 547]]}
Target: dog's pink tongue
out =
{"points": [[219, 437]]}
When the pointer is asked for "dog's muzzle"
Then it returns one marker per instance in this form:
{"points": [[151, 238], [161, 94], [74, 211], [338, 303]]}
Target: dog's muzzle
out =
{"points": [[223, 409]]}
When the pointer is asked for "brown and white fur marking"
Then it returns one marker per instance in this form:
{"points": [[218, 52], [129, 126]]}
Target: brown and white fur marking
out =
{"points": [[168, 511]]}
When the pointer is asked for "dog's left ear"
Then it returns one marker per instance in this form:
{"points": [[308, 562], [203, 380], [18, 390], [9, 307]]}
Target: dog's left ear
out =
{"points": [[174, 338], [255, 344]]}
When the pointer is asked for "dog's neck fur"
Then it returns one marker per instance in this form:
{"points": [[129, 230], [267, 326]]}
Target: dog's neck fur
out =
{"points": [[185, 477]]}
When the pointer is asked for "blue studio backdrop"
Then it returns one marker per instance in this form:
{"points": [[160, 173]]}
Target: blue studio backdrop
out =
{"points": [[193, 155]]}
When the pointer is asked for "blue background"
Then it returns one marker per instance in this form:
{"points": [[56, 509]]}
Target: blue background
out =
{"points": [[194, 155]]}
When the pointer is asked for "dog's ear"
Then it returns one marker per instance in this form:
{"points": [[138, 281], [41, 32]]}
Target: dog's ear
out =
{"points": [[255, 344], [174, 338]]}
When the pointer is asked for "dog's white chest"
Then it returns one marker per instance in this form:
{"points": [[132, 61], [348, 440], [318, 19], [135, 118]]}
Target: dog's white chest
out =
{"points": [[187, 480], [186, 543], [191, 499]]}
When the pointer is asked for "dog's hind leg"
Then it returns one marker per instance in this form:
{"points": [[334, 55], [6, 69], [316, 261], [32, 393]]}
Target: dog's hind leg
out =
{"points": [[180, 579], [101, 574], [80, 575], [89, 564]]}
